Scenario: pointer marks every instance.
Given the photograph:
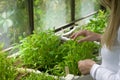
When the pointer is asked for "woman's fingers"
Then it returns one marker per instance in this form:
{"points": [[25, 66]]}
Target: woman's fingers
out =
{"points": [[88, 38], [77, 34], [74, 35]]}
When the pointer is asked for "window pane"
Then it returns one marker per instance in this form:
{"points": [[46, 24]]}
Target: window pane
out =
{"points": [[50, 14], [13, 21], [85, 7]]}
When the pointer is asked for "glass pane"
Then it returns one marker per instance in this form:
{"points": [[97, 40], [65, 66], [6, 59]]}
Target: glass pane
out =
{"points": [[50, 14], [13, 21], [85, 7]]}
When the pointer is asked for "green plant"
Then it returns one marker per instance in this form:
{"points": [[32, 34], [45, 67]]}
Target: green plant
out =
{"points": [[73, 52], [40, 50], [98, 23], [7, 72], [44, 51], [33, 76]]}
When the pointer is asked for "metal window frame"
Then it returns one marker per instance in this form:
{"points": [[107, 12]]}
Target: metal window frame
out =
{"points": [[31, 15], [72, 23]]}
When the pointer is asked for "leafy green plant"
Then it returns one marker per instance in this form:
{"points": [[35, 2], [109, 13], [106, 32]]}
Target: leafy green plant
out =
{"points": [[33, 76], [98, 23], [7, 72], [44, 51], [40, 50], [73, 52]]}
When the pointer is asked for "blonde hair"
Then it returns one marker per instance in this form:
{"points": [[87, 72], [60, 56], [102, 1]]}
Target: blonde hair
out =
{"points": [[110, 34]]}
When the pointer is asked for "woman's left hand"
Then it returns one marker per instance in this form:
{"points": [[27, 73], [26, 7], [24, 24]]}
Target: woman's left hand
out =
{"points": [[85, 66]]}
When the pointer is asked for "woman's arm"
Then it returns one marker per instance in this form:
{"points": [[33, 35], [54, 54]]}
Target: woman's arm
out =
{"points": [[97, 71], [100, 73], [88, 36]]}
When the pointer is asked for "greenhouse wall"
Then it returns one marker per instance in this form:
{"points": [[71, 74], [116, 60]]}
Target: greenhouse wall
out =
{"points": [[48, 14], [13, 21], [52, 14]]}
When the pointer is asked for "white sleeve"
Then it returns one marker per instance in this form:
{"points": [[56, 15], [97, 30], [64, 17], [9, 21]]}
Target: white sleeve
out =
{"points": [[100, 73]]}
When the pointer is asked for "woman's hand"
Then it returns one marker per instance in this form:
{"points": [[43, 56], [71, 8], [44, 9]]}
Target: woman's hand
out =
{"points": [[85, 66], [89, 36]]}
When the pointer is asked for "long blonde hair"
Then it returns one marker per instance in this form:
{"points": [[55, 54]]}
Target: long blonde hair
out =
{"points": [[110, 34]]}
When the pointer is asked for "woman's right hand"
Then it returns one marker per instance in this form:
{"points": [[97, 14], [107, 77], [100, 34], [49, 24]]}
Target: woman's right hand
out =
{"points": [[88, 36]]}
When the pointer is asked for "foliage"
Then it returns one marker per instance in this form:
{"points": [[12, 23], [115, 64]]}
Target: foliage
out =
{"points": [[33, 76], [45, 52], [39, 50], [98, 23], [73, 52], [7, 72]]}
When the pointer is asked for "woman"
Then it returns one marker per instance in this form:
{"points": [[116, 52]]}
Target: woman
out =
{"points": [[110, 51]]}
